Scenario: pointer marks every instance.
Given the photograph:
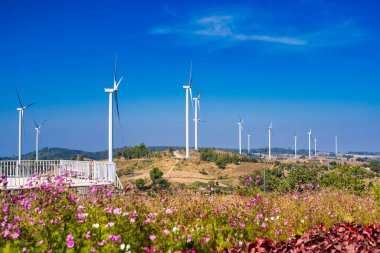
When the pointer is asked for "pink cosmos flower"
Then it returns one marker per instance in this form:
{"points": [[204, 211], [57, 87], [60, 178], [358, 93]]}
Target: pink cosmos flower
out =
{"points": [[70, 244], [132, 220], [166, 232], [152, 237], [6, 233], [88, 235], [263, 225], [42, 242], [15, 234]]}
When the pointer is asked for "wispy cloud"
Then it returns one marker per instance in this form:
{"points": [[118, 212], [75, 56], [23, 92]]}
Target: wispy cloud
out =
{"points": [[234, 28], [222, 26]]}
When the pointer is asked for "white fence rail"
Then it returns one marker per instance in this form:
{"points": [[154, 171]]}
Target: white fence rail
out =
{"points": [[81, 173]]}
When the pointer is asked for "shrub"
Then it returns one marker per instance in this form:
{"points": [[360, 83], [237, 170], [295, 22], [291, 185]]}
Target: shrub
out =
{"points": [[155, 174], [140, 183]]}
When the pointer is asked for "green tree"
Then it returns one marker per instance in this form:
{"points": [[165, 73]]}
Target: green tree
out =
{"points": [[155, 174]]}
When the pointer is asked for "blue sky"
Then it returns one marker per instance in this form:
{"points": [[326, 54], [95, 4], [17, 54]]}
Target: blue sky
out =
{"points": [[301, 64]]}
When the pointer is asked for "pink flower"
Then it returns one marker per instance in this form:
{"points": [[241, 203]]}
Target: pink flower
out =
{"points": [[88, 235], [241, 224], [152, 237], [117, 211], [132, 220], [42, 242], [92, 250], [166, 232], [110, 224], [189, 238], [263, 225], [6, 233], [70, 244], [15, 235], [148, 220]]}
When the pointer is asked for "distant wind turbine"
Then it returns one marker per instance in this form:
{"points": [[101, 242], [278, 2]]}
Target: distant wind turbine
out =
{"points": [[197, 106], [295, 146], [249, 143], [315, 147], [309, 133], [269, 140], [336, 145], [38, 129], [240, 125], [112, 92], [188, 90], [20, 124]]}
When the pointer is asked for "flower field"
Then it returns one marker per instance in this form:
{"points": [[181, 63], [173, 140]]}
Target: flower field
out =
{"points": [[56, 218]]}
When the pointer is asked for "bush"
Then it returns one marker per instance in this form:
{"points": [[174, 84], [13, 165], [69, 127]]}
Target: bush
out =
{"points": [[155, 174], [140, 183], [161, 184], [139, 151]]}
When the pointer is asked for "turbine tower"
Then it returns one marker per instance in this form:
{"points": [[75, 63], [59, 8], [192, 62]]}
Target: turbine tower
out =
{"points": [[112, 92], [20, 124], [249, 142], [38, 129], [197, 106], [269, 140], [315, 147], [240, 124], [295, 146], [188, 90], [309, 133], [336, 145]]}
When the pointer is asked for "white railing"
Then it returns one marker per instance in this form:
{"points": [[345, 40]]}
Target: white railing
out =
{"points": [[80, 173]]}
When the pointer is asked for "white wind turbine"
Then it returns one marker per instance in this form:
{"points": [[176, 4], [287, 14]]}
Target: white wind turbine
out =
{"points": [[38, 129], [336, 145], [295, 146], [188, 90], [111, 92], [20, 124], [315, 147], [309, 133], [240, 125], [197, 106], [269, 140], [249, 143]]}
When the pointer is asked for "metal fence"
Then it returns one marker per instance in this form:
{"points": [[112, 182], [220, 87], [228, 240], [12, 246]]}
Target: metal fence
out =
{"points": [[80, 173]]}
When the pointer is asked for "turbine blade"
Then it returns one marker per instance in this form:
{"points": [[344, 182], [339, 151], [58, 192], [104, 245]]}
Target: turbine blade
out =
{"points": [[43, 123], [191, 74], [35, 123], [29, 105], [118, 83], [117, 105], [19, 99], [191, 98]]}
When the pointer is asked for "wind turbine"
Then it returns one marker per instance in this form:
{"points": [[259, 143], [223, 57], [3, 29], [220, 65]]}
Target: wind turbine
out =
{"points": [[295, 146], [336, 145], [240, 125], [38, 128], [197, 106], [188, 90], [309, 133], [269, 144], [112, 92], [20, 124], [315, 147], [249, 142]]}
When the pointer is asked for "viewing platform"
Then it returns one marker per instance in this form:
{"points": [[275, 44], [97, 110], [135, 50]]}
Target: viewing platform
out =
{"points": [[30, 173]]}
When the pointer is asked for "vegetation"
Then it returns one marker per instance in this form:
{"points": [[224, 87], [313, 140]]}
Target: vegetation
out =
{"points": [[55, 218], [290, 177], [222, 160], [139, 151]]}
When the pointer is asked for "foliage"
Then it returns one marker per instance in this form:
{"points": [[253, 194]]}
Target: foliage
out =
{"points": [[374, 165], [139, 151], [342, 237], [140, 183], [54, 217], [222, 160], [155, 174], [290, 177]]}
